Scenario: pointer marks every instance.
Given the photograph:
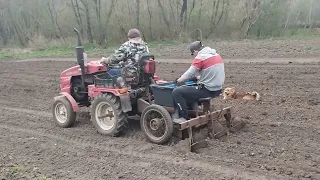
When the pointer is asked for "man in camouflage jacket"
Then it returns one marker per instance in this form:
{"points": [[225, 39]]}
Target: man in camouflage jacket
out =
{"points": [[134, 45]]}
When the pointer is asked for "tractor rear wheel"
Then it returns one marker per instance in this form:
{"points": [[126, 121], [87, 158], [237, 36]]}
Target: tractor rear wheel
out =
{"points": [[63, 113], [107, 115], [156, 124]]}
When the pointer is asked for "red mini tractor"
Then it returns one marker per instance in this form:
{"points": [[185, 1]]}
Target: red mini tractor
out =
{"points": [[135, 91]]}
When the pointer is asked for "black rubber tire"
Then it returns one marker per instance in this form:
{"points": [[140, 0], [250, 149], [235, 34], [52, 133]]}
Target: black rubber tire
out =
{"points": [[120, 116], [167, 119], [71, 115]]}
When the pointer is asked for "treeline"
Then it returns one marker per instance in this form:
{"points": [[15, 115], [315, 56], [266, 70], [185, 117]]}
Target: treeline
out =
{"points": [[27, 22]]}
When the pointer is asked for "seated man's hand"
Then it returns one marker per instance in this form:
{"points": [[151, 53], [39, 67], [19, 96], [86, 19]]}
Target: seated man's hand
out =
{"points": [[196, 78], [178, 82]]}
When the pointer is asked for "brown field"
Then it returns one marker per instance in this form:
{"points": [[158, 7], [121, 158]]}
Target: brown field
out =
{"points": [[281, 140]]}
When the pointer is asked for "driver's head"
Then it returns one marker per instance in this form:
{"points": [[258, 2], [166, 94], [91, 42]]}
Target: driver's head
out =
{"points": [[134, 36], [195, 47]]}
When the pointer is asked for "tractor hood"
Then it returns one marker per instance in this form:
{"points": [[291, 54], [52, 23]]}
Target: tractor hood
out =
{"points": [[91, 68]]}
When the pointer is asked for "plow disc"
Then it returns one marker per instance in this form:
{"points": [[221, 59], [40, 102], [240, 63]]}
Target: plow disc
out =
{"points": [[216, 124]]}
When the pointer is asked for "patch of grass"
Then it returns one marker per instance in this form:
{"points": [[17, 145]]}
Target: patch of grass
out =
{"points": [[67, 51], [161, 43], [44, 178], [27, 173], [292, 34], [15, 170], [63, 51]]}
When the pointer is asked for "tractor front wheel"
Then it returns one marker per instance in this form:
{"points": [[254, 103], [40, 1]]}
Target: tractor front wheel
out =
{"points": [[107, 115], [63, 113], [156, 124]]}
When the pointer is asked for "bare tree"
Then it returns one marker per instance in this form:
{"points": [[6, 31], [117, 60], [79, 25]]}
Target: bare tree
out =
{"points": [[192, 8], [138, 13], [253, 11], [76, 10], [310, 15], [103, 21], [23, 39], [172, 11], [4, 30], [54, 18], [85, 3], [183, 15], [100, 34], [111, 7], [163, 13], [216, 16], [290, 6], [254, 15], [150, 20], [200, 11]]}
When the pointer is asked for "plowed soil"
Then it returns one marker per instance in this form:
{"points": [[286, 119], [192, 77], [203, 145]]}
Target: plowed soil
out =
{"points": [[281, 140]]}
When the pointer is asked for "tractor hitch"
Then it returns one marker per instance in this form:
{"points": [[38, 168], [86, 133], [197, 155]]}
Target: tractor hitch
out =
{"points": [[208, 125]]}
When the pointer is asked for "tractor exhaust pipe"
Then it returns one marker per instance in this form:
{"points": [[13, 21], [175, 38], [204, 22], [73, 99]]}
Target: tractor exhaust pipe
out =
{"points": [[80, 58]]}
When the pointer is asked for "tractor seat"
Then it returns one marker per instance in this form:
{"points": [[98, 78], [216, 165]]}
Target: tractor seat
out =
{"points": [[204, 99]]}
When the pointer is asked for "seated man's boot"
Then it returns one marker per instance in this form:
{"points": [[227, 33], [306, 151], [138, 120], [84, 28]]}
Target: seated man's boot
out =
{"points": [[175, 114]]}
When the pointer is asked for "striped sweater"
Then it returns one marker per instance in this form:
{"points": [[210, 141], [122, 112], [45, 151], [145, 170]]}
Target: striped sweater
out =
{"points": [[210, 66]]}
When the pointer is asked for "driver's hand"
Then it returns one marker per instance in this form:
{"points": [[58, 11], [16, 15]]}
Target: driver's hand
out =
{"points": [[105, 61]]}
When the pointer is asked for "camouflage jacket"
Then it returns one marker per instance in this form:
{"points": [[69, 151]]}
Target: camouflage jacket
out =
{"points": [[130, 49], [127, 50]]}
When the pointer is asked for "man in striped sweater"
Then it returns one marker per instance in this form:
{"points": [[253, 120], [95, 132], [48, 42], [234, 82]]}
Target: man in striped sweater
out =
{"points": [[210, 67]]}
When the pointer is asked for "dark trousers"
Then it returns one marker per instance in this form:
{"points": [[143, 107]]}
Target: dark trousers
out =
{"points": [[187, 95]]}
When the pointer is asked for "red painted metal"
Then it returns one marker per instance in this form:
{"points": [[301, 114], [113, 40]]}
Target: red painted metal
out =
{"points": [[160, 81], [94, 91], [156, 78], [73, 102], [92, 67], [65, 84], [150, 67], [65, 77]]}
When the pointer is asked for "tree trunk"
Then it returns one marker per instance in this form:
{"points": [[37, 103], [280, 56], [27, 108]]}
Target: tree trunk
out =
{"points": [[183, 15], [150, 20], [23, 40], [56, 20], [77, 17], [138, 14], [113, 2], [311, 14], [166, 21], [172, 12], [4, 31], [192, 8], [200, 10], [52, 20], [100, 35], [129, 9], [214, 19], [254, 15], [89, 30], [80, 18], [288, 14]]}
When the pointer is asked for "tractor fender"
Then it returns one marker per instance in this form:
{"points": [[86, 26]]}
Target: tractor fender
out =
{"points": [[125, 102], [125, 99], [73, 102]]}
